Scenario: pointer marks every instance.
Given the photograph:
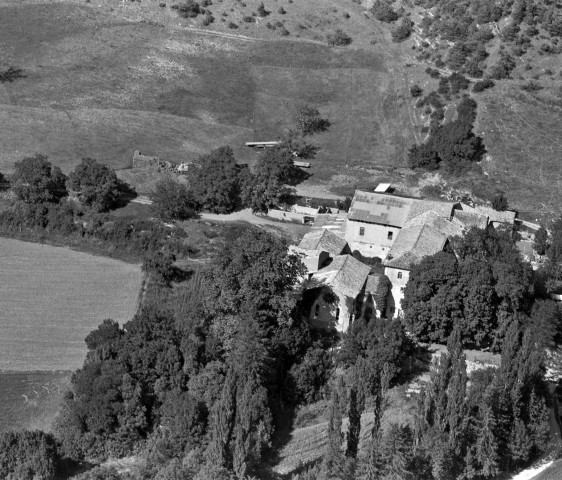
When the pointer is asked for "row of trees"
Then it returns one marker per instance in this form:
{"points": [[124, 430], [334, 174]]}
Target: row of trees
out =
{"points": [[495, 423], [35, 181]]}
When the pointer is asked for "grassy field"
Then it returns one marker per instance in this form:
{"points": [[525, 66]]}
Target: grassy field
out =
{"points": [[106, 78], [31, 400], [52, 298]]}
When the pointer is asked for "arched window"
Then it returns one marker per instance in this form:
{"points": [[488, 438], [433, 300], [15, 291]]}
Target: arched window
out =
{"points": [[399, 274], [317, 310], [337, 313]]}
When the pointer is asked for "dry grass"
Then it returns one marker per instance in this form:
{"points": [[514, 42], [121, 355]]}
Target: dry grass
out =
{"points": [[52, 298], [31, 400], [106, 78], [522, 135], [308, 443]]}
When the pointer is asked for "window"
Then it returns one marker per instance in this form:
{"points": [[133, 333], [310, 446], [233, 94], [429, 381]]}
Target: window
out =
{"points": [[361, 231], [337, 314], [389, 236], [317, 310], [399, 274], [402, 289]]}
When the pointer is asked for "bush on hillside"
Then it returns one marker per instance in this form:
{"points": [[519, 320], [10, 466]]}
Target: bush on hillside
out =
{"points": [[499, 203], [189, 9], [416, 91], [383, 11], [11, 74], [482, 85], [338, 38], [403, 30]]}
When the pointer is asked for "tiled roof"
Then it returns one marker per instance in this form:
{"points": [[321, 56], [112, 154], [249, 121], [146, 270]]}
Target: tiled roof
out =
{"points": [[323, 240], [470, 219], [424, 235], [379, 208], [330, 221], [345, 275], [393, 210], [507, 216]]}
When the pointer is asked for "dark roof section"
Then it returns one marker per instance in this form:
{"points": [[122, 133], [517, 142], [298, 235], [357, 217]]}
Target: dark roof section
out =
{"points": [[345, 275]]}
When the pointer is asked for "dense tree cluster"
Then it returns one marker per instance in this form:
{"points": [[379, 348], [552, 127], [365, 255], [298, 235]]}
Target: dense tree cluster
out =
{"points": [[212, 380], [403, 30], [452, 144], [28, 456], [482, 289]]}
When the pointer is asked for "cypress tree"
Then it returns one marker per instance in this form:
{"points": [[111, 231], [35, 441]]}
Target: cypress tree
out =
{"points": [[456, 391], [333, 464], [397, 452], [354, 431], [221, 424], [486, 451]]}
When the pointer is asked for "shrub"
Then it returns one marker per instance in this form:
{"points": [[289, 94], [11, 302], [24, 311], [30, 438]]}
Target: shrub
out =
{"points": [[483, 85], [190, 9], [248, 19], [458, 82], [416, 91], [208, 19], [308, 121], [284, 31], [232, 25], [403, 30], [281, 11], [383, 12], [262, 12], [338, 38], [11, 74]]}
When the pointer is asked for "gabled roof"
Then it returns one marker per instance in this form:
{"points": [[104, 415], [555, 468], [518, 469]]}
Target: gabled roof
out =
{"points": [[379, 208], [507, 216], [422, 236], [323, 239], [392, 210], [345, 275]]}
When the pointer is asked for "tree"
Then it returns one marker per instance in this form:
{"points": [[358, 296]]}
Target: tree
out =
{"points": [[540, 243], [216, 181], [308, 121], [161, 264], [354, 430], [36, 180], [96, 184], [499, 203], [554, 251], [173, 201]]}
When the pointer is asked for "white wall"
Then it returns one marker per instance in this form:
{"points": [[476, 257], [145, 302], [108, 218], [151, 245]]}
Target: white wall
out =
{"points": [[398, 284], [374, 242]]}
